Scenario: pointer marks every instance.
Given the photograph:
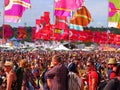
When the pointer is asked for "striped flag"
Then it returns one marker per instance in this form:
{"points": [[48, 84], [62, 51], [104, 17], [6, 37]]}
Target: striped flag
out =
{"points": [[82, 17], [65, 7], [14, 10]]}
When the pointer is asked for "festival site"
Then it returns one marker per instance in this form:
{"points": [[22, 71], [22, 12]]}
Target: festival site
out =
{"points": [[60, 45]]}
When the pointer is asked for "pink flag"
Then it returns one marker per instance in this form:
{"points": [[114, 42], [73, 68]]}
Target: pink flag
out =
{"points": [[64, 7], [14, 10]]}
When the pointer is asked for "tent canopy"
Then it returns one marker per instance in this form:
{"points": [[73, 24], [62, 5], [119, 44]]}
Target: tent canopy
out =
{"points": [[61, 47]]}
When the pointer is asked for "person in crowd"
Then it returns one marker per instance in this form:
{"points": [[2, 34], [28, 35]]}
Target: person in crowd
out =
{"points": [[28, 77], [92, 75], [2, 77], [112, 64], [57, 75], [10, 76], [36, 72], [44, 78], [114, 84], [19, 72], [73, 71]]}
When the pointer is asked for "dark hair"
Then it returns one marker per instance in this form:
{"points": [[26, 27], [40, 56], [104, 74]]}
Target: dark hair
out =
{"points": [[118, 70], [72, 67], [90, 61]]}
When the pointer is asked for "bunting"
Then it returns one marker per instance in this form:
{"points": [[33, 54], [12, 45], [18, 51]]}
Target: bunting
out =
{"points": [[14, 10]]}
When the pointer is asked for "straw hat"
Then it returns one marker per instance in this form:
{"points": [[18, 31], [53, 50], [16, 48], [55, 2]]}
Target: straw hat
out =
{"points": [[9, 63], [112, 61]]}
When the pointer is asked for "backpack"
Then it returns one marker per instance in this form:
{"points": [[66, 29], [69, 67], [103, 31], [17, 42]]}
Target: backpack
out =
{"points": [[102, 85], [19, 73], [73, 81], [115, 85], [99, 78]]}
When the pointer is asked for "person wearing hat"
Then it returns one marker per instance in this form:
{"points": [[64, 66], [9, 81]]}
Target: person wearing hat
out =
{"points": [[73, 73], [112, 65], [114, 84], [10, 76]]}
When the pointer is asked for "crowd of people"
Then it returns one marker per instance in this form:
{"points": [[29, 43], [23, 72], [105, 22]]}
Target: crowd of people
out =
{"points": [[48, 70]]}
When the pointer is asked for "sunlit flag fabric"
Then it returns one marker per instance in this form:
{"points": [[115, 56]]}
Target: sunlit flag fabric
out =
{"points": [[14, 10], [22, 33], [114, 13], [81, 17], [64, 7], [117, 39], [96, 37], [8, 32]]}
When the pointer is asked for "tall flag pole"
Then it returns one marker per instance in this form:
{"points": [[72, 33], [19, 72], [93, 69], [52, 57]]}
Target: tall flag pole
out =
{"points": [[3, 39], [14, 10]]}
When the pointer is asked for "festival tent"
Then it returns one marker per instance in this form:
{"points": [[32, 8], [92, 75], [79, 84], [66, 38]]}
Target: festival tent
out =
{"points": [[16, 42], [13, 39], [61, 47]]}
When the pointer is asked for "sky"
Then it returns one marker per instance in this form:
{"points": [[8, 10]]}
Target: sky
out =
{"points": [[97, 8]]}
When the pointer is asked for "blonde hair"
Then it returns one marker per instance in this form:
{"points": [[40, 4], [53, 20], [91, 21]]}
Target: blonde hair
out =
{"points": [[23, 63]]}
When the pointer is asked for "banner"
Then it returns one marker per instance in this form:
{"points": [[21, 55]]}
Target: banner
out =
{"points": [[22, 33], [14, 10], [65, 7], [81, 17], [8, 32], [114, 13]]}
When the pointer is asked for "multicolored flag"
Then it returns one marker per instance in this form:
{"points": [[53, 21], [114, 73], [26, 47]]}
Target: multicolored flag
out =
{"points": [[114, 13], [14, 10], [65, 7], [81, 18]]}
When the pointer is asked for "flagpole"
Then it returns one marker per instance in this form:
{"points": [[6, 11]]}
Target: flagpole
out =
{"points": [[53, 27], [3, 20]]}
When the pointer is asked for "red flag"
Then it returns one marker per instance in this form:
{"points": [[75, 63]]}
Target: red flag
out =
{"points": [[111, 37], [8, 32], [89, 35], [22, 33], [104, 38], [117, 39], [73, 35], [96, 36], [82, 36]]}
